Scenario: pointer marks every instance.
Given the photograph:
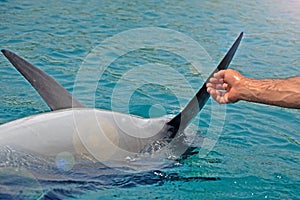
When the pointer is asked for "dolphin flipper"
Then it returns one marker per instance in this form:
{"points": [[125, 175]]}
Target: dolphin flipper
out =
{"points": [[58, 98], [180, 121], [52, 92]]}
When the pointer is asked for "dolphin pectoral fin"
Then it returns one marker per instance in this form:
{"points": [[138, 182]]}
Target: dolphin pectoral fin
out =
{"points": [[181, 120], [51, 91]]}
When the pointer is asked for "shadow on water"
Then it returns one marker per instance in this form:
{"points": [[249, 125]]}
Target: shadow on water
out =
{"points": [[77, 188], [25, 176]]}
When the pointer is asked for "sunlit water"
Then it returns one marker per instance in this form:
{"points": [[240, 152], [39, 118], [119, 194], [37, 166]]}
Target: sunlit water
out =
{"points": [[257, 153]]}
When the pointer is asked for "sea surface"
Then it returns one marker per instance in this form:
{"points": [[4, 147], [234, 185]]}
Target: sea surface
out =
{"points": [[152, 56]]}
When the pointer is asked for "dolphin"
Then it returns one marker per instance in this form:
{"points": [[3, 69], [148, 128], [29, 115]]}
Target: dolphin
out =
{"points": [[90, 133]]}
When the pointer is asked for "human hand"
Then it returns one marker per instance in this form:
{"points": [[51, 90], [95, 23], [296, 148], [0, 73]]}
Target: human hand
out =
{"points": [[223, 86]]}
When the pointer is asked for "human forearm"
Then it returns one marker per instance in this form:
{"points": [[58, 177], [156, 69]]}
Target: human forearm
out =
{"points": [[279, 92]]}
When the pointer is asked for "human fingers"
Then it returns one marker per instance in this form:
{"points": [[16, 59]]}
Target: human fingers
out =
{"points": [[215, 80], [217, 86], [222, 98], [218, 96], [220, 74]]}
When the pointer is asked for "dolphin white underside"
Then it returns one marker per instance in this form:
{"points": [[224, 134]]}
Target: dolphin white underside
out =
{"points": [[98, 134]]}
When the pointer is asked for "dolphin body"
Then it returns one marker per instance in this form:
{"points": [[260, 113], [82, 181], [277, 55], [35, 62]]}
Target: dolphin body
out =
{"points": [[94, 134]]}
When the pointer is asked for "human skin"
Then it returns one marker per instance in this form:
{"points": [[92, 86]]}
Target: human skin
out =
{"points": [[229, 86]]}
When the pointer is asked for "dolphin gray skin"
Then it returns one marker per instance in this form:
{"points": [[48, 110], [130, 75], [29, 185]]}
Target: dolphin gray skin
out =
{"points": [[180, 121], [52, 92], [97, 134]]}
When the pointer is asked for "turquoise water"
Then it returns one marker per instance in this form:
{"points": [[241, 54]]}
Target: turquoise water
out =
{"points": [[257, 153]]}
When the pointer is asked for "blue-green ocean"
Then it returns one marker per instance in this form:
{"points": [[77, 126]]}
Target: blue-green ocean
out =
{"points": [[256, 154]]}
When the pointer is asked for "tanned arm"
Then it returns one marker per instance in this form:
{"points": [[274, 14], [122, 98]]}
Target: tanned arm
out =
{"points": [[229, 86]]}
